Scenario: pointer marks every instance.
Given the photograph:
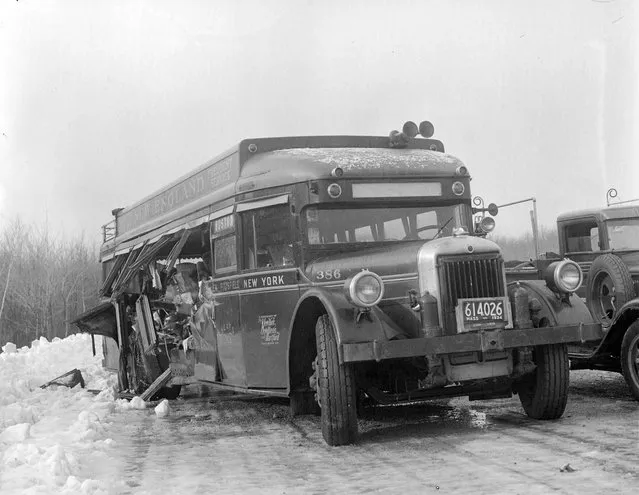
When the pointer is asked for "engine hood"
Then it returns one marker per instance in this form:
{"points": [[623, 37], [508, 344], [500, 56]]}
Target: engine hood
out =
{"points": [[394, 259], [386, 260]]}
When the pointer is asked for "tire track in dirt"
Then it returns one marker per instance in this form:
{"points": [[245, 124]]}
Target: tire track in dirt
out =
{"points": [[250, 445], [538, 468], [622, 459]]}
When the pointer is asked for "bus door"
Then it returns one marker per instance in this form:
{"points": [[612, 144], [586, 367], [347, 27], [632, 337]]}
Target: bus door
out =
{"points": [[269, 289], [222, 355]]}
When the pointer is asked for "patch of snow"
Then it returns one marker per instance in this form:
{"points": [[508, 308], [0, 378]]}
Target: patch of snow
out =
{"points": [[137, 403], [9, 348], [51, 438], [15, 433], [163, 409], [374, 158]]}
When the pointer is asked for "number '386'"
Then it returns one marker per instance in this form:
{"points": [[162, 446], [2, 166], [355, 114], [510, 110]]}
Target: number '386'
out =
{"points": [[328, 274]]}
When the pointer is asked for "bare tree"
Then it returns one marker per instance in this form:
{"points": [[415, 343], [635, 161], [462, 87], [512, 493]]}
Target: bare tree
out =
{"points": [[46, 282]]}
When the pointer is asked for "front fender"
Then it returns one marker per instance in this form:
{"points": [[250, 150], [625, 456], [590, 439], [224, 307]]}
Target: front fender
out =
{"points": [[627, 314], [555, 310], [373, 326]]}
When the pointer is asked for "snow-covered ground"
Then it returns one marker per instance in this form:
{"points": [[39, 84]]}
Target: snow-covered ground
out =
{"points": [[53, 440], [61, 440]]}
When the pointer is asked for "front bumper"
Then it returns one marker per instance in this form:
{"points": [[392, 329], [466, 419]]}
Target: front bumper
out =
{"points": [[481, 340]]}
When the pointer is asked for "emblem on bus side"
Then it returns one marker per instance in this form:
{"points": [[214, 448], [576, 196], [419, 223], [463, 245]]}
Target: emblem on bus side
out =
{"points": [[268, 332]]}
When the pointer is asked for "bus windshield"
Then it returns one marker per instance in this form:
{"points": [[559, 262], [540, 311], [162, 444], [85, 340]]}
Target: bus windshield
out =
{"points": [[326, 225]]}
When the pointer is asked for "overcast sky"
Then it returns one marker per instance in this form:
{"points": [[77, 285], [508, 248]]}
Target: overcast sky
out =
{"points": [[101, 103]]}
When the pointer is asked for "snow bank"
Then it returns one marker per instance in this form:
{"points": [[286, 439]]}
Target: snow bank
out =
{"points": [[50, 439]]}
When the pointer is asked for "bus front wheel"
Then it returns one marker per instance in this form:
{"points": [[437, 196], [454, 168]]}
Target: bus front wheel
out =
{"points": [[335, 388]]}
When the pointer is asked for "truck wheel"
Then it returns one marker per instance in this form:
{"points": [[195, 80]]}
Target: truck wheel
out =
{"points": [[630, 358], [544, 393], [609, 287], [336, 388]]}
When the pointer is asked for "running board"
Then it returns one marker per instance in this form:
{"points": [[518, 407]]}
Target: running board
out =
{"points": [[269, 392]]}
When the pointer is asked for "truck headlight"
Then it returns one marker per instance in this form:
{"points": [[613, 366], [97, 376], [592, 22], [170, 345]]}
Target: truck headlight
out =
{"points": [[365, 289], [563, 276]]}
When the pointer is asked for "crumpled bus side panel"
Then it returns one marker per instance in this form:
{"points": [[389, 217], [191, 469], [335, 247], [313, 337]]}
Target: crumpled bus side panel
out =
{"points": [[100, 320]]}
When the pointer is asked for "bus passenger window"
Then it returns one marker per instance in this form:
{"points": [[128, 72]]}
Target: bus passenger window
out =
{"points": [[224, 253], [268, 240]]}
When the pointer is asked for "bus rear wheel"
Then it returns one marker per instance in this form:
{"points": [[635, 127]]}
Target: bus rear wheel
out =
{"points": [[335, 388]]}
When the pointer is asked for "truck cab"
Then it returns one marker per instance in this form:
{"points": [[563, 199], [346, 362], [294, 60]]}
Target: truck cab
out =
{"points": [[604, 242]]}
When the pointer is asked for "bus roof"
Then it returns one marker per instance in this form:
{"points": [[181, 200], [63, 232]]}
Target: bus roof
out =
{"points": [[261, 163]]}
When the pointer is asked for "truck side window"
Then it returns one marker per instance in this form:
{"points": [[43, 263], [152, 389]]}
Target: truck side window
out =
{"points": [[268, 239], [594, 239], [582, 237]]}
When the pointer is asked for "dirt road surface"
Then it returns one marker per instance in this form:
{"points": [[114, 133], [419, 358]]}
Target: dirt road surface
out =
{"points": [[243, 444]]}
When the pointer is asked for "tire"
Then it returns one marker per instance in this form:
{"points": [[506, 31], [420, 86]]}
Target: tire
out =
{"points": [[630, 358], [609, 287], [170, 393], [544, 393], [303, 403], [336, 388]]}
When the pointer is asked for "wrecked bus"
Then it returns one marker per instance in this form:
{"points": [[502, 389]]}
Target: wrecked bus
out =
{"points": [[336, 271]]}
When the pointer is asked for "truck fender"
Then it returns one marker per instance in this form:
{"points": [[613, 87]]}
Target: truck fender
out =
{"points": [[316, 302], [626, 315], [553, 309]]}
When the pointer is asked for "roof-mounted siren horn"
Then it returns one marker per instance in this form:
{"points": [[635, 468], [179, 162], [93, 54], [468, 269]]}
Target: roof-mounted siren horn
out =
{"points": [[410, 129], [398, 139], [426, 129]]}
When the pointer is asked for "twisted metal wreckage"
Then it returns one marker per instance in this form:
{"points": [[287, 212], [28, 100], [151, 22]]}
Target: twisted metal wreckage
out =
{"points": [[163, 310]]}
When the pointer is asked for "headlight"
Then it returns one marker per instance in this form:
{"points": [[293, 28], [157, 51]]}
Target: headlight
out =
{"points": [[365, 289], [334, 191], [487, 224], [563, 276], [458, 188]]}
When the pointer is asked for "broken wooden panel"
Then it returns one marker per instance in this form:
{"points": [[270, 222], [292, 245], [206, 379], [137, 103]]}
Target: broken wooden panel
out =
{"points": [[155, 387], [145, 323], [105, 290]]}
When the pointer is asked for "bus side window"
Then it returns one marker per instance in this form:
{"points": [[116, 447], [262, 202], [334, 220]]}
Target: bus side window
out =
{"points": [[224, 254], [223, 245], [268, 240]]}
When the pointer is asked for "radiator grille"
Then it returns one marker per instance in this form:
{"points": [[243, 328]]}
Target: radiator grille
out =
{"points": [[463, 277]]}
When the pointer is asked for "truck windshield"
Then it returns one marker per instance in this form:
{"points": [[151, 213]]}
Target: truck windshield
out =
{"points": [[393, 223], [623, 233]]}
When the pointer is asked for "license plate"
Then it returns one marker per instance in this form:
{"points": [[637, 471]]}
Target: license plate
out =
{"points": [[485, 312]]}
